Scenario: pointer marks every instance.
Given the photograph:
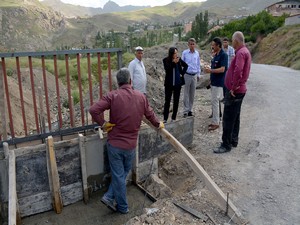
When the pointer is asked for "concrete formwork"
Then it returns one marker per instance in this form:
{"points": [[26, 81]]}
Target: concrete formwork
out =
{"points": [[81, 164]]}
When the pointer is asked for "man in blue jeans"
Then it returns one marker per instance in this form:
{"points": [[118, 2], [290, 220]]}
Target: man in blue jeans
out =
{"points": [[127, 108]]}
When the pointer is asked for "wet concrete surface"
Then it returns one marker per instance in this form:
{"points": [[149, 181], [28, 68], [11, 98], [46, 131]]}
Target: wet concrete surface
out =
{"points": [[94, 212]]}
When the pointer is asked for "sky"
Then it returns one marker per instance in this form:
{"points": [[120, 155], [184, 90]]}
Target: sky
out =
{"points": [[100, 3]]}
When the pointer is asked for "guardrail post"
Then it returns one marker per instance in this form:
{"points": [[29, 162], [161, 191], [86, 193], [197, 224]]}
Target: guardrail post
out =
{"points": [[2, 106]]}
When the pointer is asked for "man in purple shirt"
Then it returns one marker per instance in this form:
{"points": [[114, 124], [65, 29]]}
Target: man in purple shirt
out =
{"points": [[235, 82], [127, 108]]}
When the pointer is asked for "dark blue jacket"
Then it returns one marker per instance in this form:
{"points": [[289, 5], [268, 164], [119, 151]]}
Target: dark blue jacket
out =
{"points": [[180, 70]]}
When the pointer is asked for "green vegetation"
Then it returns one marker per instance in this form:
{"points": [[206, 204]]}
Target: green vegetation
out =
{"points": [[9, 3], [200, 26], [130, 39], [254, 27], [73, 69], [282, 47]]}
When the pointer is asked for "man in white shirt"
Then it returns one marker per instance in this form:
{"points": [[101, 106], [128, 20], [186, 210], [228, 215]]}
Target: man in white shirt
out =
{"points": [[138, 72], [192, 58]]}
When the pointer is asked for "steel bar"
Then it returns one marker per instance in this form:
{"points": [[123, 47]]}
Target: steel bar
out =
{"points": [[33, 95], [80, 89], [46, 93]]}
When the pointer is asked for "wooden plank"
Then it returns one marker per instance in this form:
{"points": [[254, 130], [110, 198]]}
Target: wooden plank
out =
{"points": [[12, 193], [82, 148], [194, 212], [2, 106], [53, 177], [233, 212], [36, 203], [72, 193]]}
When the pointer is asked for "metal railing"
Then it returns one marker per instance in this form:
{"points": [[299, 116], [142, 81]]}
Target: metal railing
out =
{"points": [[43, 114]]}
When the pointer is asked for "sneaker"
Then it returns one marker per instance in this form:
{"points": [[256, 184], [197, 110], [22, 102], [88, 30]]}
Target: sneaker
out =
{"points": [[109, 204], [190, 114]]}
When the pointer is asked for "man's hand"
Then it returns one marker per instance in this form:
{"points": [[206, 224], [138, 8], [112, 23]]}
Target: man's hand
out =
{"points": [[161, 125], [107, 126], [232, 93]]}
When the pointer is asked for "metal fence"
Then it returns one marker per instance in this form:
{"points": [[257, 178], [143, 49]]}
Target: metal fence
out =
{"points": [[7, 132]]}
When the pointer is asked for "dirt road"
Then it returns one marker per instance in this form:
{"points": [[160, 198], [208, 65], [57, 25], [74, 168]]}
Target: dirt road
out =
{"points": [[269, 167]]}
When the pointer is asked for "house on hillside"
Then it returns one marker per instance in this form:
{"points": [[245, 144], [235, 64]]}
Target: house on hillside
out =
{"points": [[290, 7]]}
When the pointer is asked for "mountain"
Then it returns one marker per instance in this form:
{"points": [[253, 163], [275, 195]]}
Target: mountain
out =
{"points": [[70, 10], [53, 29]]}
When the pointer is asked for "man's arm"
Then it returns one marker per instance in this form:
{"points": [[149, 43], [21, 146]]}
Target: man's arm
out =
{"points": [[98, 108], [238, 71], [131, 69]]}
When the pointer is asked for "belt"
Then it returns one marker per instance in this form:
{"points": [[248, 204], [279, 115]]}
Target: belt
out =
{"points": [[192, 74]]}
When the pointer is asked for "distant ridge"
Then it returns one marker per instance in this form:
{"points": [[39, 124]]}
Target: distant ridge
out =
{"points": [[70, 10]]}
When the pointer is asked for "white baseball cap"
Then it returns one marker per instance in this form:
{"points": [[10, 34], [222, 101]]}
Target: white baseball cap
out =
{"points": [[139, 48]]}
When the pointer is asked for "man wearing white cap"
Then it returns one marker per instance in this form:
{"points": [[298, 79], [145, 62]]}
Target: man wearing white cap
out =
{"points": [[137, 71]]}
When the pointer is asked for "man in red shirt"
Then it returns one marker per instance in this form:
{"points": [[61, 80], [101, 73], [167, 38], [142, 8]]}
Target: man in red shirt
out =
{"points": [[235, 82], [127, 108]]}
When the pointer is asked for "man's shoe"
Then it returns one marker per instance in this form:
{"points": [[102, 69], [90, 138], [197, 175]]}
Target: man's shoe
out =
{"points": [[190, 114], [213, 127], [185, 115], [234, 144], [221, 149], [124, 212], [108, 204]]}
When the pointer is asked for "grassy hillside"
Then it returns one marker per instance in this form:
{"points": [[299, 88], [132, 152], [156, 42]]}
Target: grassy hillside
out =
{"points": [[282, 47]]}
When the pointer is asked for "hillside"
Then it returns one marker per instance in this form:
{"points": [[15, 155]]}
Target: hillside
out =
{"points": [[29, 25], [282, 47], [70, 10]]}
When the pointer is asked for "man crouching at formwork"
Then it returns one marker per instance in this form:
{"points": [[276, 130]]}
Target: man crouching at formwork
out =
{"points": [[127, 108]]}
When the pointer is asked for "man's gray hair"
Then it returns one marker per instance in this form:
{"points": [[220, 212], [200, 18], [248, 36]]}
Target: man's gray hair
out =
{"points": [[123, 76], [239, 36], [192, 40]]}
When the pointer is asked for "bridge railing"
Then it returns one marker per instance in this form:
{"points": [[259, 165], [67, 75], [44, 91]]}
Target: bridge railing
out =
{"points": [[92, 61]]}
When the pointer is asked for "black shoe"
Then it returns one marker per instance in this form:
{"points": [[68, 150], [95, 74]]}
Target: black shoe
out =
{"points": [[210, 116], [221, 149], [190, 114], [185, 115], [234, 144]]}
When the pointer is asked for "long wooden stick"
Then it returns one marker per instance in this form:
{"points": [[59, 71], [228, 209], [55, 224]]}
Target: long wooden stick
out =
{"points": [[53, 177], [82, 148], [12, 194], [199, 170]]}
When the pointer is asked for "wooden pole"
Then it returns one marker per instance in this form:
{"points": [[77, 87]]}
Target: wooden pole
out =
{"points": [[53, 177], [2, 106], [12, 191], [82, 147], [233, 212]]}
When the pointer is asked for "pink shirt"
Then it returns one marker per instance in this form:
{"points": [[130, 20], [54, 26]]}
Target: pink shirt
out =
{"points": [[127, 108], [238, 72]]}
